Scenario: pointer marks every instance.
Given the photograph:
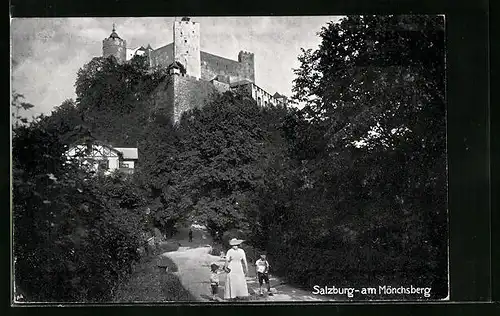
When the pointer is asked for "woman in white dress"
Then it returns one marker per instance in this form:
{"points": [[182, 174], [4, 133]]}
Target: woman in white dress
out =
{"points": [[236, 284]]}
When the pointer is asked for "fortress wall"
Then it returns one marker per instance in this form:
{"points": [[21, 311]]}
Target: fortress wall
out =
{"points": [[178, 94], [262, 97], [246, 89], [163, 56], [190, 93], [212, 65], [163, 100], [221, 86]]}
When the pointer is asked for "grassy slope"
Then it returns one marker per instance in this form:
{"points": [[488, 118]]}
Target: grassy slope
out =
{"points": [[149, 283]]}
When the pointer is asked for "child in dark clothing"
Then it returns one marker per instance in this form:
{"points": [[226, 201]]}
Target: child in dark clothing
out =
{"points": [[214, 279]]}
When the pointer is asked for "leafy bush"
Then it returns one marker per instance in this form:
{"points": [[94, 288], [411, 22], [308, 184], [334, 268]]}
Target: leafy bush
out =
{"points": [[173, 290], [164, 262], [152, 284], [75, 237], [362, 197]]}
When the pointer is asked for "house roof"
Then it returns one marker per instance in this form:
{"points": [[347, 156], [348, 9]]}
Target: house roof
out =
{"points": [[95, 150], [128, 153]]}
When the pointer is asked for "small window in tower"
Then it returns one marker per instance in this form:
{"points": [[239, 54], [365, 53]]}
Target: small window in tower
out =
{"points": [[185, 41], [187, 52]]}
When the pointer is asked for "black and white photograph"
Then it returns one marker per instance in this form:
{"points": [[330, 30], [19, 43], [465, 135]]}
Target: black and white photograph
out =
{"points": [[229, 159]]}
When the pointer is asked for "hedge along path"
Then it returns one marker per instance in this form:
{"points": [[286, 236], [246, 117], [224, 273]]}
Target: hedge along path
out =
{"points": [[194, 274]]}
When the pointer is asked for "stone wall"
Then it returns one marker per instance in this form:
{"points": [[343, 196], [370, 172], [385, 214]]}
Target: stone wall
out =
{"points": [[178, 94], [162, 100], [213, 65], [115, 47], [247, 68], [163, 56], [190, 93], [262, 97], [221, 86], [187, 46]]}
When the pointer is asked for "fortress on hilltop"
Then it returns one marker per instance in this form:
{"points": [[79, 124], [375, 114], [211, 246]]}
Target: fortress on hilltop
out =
{"points": [[194, 74]]}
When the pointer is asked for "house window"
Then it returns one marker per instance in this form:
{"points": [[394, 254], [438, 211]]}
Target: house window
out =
{"points": [[124, 164], [185, 41]]}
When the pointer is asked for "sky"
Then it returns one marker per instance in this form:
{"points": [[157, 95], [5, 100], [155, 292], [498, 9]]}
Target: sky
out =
{"points": [[47, 52]]}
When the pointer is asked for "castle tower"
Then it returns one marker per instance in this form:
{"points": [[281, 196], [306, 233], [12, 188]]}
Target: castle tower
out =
{"points": [[187, 46], [114, 46], [247, 69]]}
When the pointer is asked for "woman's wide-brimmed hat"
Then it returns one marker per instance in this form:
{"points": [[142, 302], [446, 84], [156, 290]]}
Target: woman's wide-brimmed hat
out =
{"points": [[234, 242]]}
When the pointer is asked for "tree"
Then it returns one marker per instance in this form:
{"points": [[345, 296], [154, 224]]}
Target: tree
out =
{"points": [[371, 74], [374, 121], [17, 105], [75, 236], [114, 99], [207, 171]]}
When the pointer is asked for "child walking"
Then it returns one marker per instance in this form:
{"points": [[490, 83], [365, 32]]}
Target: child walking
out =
{"points": [[262, 267], [214, 279]]}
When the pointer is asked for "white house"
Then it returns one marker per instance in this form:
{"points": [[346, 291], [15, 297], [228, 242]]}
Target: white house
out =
{"points": [[99, 157], [131, 52]]}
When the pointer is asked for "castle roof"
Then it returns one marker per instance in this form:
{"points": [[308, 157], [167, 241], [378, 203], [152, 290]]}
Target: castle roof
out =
{"points": [[176, 64], [113, 33]]}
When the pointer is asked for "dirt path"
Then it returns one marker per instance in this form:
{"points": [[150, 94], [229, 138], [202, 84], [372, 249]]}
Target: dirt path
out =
{"points": [[194, 272]]}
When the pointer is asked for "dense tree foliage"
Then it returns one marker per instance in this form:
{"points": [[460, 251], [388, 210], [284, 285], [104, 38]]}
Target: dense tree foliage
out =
{"points": [[371, 146], [75, 236], [18, 106], [351, 189], [114, 100], [207, 171]]}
